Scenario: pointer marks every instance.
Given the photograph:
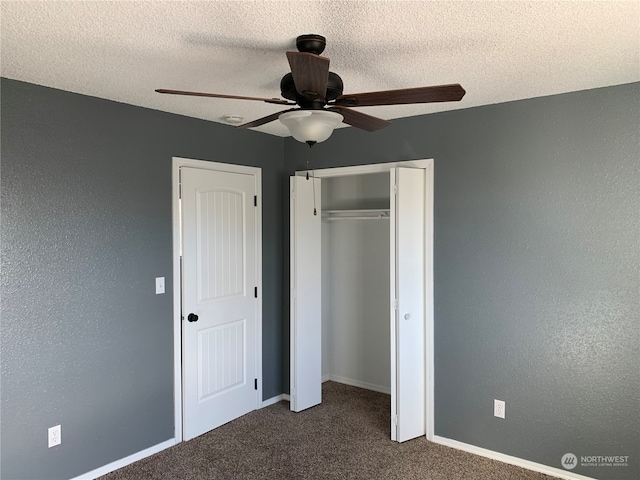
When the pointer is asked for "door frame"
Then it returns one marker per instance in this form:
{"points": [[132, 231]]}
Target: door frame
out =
{"points": [[256, 172], [428, 166]]}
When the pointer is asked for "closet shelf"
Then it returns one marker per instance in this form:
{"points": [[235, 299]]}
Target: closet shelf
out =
{"points": [[363, 214]]}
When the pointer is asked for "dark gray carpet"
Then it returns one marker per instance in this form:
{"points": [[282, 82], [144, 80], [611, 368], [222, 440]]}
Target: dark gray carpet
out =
{"points": [[347, 437]]}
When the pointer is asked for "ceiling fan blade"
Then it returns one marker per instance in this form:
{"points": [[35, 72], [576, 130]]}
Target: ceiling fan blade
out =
{"points": [[440, 93], [360, 120], [263, 120], [277, 101], [310, 73]]}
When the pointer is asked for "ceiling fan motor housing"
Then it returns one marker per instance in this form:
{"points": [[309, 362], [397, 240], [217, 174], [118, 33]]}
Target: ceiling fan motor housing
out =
{"points": [[288, 91]]}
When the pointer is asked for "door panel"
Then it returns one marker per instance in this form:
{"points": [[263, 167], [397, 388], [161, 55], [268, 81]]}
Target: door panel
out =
{"points": [[219, 276], [221, 358], [306, 297], [221, 244], [408, 232]]}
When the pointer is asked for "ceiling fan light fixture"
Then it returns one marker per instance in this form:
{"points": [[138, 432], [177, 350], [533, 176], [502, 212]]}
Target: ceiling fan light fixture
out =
{"points": [[311, 125], [312, 87]]}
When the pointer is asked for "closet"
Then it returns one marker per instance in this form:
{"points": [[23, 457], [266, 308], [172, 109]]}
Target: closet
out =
{"points": [[355, 272], [361, 285]]}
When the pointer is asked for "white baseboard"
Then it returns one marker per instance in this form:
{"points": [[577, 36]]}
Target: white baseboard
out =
{"points": [[272, 401], [519, 462], [286, 397], [356, 383], [123, 462]]}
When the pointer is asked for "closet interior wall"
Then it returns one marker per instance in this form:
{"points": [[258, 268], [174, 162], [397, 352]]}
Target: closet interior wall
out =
{"points": [[356, 281]]}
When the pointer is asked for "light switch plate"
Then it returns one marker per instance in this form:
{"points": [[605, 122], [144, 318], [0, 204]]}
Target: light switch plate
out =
{"points": [[159, 285]]}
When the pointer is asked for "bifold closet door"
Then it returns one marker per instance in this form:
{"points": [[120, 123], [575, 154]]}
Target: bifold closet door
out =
{"points": [[408, 397], [306, 294]]}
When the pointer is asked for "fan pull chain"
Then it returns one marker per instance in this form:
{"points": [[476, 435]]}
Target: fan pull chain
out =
{"points": [[311, 144], [313, 175]]}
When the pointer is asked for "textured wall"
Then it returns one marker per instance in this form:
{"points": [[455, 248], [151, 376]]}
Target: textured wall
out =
{"points": [[537, 261], [86, 227]]}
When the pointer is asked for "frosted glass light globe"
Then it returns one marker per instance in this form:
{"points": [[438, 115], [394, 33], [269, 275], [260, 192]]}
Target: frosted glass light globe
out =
{"points": [[311, 125]]}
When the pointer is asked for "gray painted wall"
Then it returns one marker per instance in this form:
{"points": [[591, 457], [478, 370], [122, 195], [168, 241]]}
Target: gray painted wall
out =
{"points": [[86, 227], [536, 273], [537, 261]]}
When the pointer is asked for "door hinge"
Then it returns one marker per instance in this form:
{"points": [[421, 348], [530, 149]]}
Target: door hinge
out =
{"points": [[255, 200], [255, 383], [395, 419], [255, 292], [395, 189], [395, 303]]}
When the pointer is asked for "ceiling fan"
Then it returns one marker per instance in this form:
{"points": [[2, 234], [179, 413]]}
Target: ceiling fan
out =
{"points": [[318, 94]]}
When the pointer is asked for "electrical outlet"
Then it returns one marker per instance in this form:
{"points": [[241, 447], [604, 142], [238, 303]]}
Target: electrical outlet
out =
{"points": [[498, 408], [55, 436]]}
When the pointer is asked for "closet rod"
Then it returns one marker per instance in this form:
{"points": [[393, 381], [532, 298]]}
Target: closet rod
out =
{"points": [[379, 217]]}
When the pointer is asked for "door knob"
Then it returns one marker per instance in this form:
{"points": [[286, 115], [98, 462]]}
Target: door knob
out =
{"points": [[407, 316], [192, 317]]}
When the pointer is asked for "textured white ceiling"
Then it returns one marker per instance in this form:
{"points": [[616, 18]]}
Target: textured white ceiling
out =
{"points": [[498, 51]]}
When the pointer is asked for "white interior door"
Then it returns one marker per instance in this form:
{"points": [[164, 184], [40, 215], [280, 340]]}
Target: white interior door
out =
{"points": [[408, 400], [219, 328], [306, 295]]}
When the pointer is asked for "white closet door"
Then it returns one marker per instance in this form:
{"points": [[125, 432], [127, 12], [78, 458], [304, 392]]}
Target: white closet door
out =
{"points": [[408, 331], [306, 295]]}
